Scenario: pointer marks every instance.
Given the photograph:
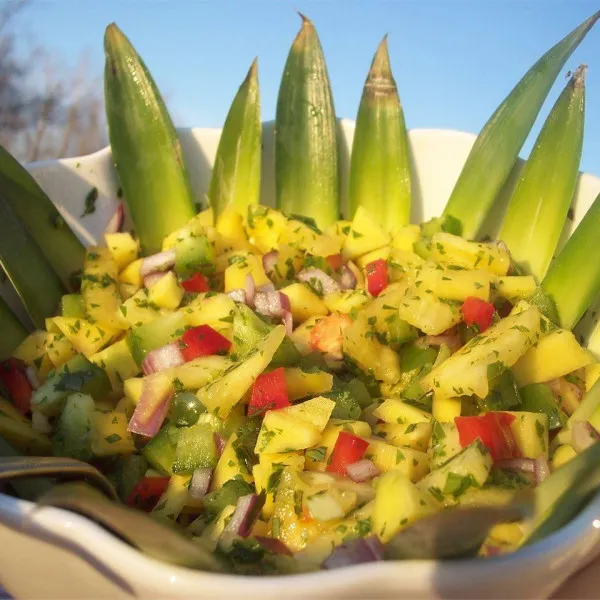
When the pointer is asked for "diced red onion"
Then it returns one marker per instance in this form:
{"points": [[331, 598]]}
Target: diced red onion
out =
{"points": [[157, 262], [32, 377], [40, 422], [148, 424], [355, 552], [288, 320], [238, 295], [162, 358], [249, 290], [243, 518], [266, 288], [523, 465], [116, 221], [200, 482], [326, 284], [269, 260], [220, 443], [273, 545], [271, 304], [451, 340], [583, 435], [541, 469], [347, 278], [153, 279], [362, 470]]}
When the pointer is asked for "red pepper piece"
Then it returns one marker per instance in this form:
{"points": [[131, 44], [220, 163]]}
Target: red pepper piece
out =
{"points": [[12, 375], [196, 283], [348, 449], [335, 261], [493, 429], [203, 341], [377, 277], [269, 392], [477, 313], [147, 492]]}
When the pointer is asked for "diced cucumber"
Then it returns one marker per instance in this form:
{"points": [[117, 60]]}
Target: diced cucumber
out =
{"points": [[76, 375], [538, 398], [160, 450], [413, 356], [71, 305], [192, 254], [73, 430], [489, 495], [195, 448], [469, 468], [249, 329], [228, 495], [145, 338]]}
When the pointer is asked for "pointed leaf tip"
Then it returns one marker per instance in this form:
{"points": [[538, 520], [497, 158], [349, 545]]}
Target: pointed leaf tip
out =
{"points": [[579, 75], [381, 66]]}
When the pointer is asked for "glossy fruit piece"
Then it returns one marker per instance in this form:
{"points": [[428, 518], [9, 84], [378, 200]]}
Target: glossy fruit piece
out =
{"points": [[493, 429], [377, 277], [269, 392], [203, 341], [348, 449], [477, 313]]}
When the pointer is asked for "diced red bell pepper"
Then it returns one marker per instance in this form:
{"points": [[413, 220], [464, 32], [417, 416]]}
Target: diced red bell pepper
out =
{"points": [[147, 492], [477, 312], [14, 378], [348, 449], [377, 277], [269, 392], [196, 283], [203, 341], [493, 429], [335, 261]]}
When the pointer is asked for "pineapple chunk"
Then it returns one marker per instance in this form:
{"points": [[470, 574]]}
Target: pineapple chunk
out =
{"points": [[110, 435], [592, 374], [445, 409], [555, 355], [398, 502], [396, 411], [137, 310], [118, 363], [346, 301], [123, 248], [132, 388], [365, 235], [224, 393], [214, 310], [131, 274], [405, 237], [454, 285], [360, 344], [444, 443], [315, 411], [265, 227], [301, 336], [99, 288], [562, 455], [88, 338], [281, 432], [530, 431], [243, 265], [300, 384], [33, 347], [230, 227], [229, 466], [454, 250], [289, 262], [304, 303], [166, 292], [387, 457], [380, 253], [515, 287], [301, 236], [465, 372], [415, 435], [421, 308]]}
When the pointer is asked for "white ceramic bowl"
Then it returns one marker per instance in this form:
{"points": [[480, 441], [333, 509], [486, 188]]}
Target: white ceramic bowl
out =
{"points": [[51, 553]]}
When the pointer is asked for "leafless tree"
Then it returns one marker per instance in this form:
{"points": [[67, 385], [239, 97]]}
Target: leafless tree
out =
{"points": [[43, 112]]}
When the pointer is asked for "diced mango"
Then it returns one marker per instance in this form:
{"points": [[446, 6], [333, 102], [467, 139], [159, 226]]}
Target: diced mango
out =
{"points": [[379, 254], [300, 384], [166, 292], [88, 338], [387, 457], [562, 455], [243, 265], [530, 431], [33, 347], [365, 235], [229, 466], [395, 411], [415, 435], [445, 409], [124, 249], [304, 303], [131, 274], [405, 237], [281, 432], [110, 435], [515, 287], [346, 301]]}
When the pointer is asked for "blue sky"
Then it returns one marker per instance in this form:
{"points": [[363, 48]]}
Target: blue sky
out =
{"points": [[454, 60]]}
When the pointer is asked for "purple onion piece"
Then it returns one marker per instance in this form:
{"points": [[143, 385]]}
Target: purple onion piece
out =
{"points": [[238, 295], [153, 279], [271, 304], [347, 278], [288, 321], [200, 482], [162, 358], [243, 518], [362, 470], [157, 262], [116, 221], [355, 552], [273, 545], [151, 409], [220, 443], [269, 260], [320, 280], [523, 465], [267, 287], [583, 435], [249, 290], [541, 469]]}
